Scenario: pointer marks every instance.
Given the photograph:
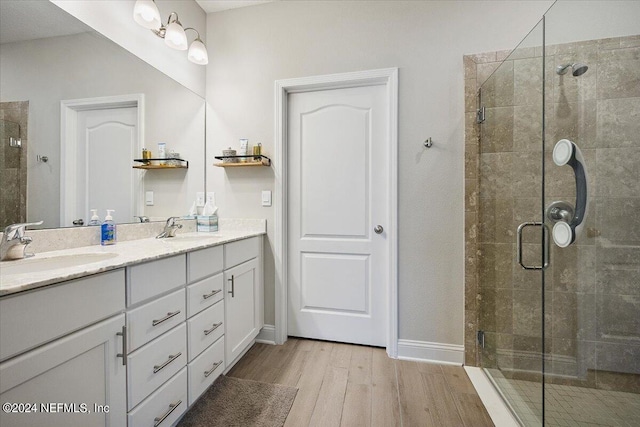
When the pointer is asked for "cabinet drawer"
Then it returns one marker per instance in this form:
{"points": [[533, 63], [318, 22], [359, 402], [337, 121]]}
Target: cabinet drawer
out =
{"points": [[33, 318], [169, 400], [154, 278], [205, 328], [165, 355], [243, 250], [205, 369], [155, 318], [204, 294], [204, 262]]}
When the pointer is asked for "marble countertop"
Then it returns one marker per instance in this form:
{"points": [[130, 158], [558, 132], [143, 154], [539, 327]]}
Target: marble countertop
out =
{"points": [[120, 255]]}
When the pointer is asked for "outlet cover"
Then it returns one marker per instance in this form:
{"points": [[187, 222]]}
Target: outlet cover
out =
{"points": [[211, 197]]}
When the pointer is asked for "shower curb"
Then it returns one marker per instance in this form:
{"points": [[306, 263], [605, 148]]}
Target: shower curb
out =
{"points": [[495, 405]]}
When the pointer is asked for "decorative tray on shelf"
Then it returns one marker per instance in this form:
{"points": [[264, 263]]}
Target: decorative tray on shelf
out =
{"points": [[249, 160], [169, 163]]}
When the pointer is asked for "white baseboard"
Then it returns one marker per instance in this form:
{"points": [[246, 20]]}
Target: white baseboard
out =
{"points": [[267, 335], [424, 351], [496, 406]]}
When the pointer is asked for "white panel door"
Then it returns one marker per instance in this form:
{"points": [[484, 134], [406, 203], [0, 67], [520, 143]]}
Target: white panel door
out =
{"points": [[338, 192], [107, 145]]}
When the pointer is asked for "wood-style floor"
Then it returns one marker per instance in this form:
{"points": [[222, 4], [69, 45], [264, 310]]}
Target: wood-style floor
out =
{"points": [[352, 385]]}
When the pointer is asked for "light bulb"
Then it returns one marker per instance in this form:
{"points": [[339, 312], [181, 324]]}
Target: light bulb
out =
{"points": [[198, 53], [175, 37], [146, 14]]}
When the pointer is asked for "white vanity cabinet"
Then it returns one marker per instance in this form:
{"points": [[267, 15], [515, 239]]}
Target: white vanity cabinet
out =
{"points": [[67, 367], [157, 341], [135, 346], [205, 325], [243, 296]]}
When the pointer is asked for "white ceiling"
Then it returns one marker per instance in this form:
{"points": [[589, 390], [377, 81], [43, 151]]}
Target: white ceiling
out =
{"points": [[211, 6], [31, 20]]}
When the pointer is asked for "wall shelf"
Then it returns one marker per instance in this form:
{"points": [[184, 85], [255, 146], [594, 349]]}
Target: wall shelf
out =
{"points": [[263, 161], [146, 163]]}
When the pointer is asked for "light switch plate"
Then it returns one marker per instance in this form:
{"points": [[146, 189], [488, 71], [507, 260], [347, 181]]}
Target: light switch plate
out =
{"points": [[211, 197], [200, 199], [266, 198], [148, 198]]}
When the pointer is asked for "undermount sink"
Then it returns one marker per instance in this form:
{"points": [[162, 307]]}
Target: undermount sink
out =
{"points": [[35, 264]]}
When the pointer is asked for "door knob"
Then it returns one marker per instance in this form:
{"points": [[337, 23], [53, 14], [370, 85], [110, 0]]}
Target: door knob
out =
{"points": [[378, 229]]}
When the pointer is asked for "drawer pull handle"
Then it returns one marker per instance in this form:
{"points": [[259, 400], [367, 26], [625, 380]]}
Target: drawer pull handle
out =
{"points": [[233, 287], [213, 328], [213, 368], [172, 407], [123, 334], [207, 296], [165, 318], [172, 357]]}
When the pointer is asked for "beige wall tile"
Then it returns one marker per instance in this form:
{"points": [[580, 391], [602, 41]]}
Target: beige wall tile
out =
{"points": [[618, 73], [618, 122], [618, 172], [527, 76]]}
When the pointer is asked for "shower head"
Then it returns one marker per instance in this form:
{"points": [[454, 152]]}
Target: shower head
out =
{"points": [[577, 68]]}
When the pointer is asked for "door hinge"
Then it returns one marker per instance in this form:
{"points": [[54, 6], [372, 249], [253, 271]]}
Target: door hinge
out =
{"points": [[480, 112], [481, 338]]}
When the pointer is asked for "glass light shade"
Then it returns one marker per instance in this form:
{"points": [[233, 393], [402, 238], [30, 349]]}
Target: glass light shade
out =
{"points": [[146, 13], [198, 53], [175, 36]]}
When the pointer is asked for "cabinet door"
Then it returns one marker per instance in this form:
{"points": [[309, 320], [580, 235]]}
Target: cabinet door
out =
{"points": [[241, 300], [69, 380]]}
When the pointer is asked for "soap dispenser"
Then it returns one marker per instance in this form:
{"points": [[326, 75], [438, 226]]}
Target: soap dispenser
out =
{"points": [[95, 219], [108, 232]]}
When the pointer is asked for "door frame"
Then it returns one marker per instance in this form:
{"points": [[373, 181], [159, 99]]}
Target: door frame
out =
{"points": [[389, 78], [69, 110]]}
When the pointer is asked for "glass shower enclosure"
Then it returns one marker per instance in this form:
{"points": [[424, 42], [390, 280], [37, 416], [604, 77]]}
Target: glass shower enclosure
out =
{"points": [[558, 218]]}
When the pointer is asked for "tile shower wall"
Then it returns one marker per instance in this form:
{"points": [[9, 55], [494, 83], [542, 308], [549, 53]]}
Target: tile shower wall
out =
{"points": [[592, 295], [13, 163]]}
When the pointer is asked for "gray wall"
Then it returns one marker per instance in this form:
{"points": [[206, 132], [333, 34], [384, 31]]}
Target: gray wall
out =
{"points": [[114, 19], [252, 47]]}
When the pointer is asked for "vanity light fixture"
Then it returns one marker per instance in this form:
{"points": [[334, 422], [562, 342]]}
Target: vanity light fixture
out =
{"points": [[146, 13]]}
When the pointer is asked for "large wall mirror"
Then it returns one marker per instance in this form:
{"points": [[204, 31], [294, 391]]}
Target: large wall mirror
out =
{"points": [[76, 109]]}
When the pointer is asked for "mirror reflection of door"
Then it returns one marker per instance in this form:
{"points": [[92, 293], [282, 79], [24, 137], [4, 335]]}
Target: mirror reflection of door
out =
{"points": [[100, 137], [106, 145]]}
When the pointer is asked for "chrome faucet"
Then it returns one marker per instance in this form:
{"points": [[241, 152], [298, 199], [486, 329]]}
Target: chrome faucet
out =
{"points": [[170, 228], [142, 218], [13, 239]]}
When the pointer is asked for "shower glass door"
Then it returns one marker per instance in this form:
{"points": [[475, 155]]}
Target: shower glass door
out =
{"points": [[510, 194], [558, 218], [592, 206]]}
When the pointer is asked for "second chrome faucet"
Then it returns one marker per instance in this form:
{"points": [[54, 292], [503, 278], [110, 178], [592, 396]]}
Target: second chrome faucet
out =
{"points": [[170, 228]]}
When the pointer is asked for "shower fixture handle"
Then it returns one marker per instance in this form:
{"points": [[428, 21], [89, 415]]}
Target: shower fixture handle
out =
{"points": [[569, 221], [560, 211]]}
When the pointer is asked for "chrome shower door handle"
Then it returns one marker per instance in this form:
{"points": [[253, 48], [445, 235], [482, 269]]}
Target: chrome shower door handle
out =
{"points": [[565, 231], [545, 246]]}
